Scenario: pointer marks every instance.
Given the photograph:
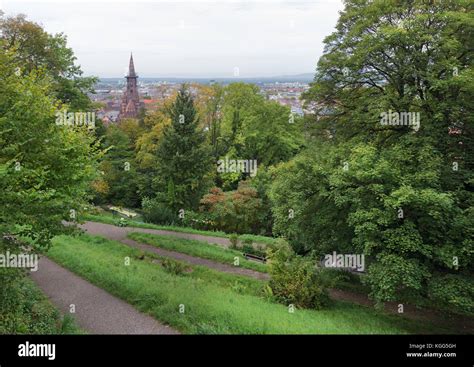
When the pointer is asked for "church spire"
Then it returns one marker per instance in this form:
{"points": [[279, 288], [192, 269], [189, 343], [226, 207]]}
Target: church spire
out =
{"points": [[130, 100], [131, 67]]}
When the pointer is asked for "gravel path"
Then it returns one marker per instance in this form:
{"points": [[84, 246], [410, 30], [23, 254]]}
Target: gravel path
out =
{"points": [[120, 234], [96, 311]]}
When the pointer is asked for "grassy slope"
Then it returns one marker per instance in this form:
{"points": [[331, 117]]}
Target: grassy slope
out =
{"points": [[198, 249], [108, 218], [210, 307]]}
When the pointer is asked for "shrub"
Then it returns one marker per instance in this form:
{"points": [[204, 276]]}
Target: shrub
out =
{"points": [[122, 222], [248, 241], [174, 267], [294, 279], [23, 308], [237, 211], [453, 293], [157, 212], [342, 279], [198, 220], [234, 241]]}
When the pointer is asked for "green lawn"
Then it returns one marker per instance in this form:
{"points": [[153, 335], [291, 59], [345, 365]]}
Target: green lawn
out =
{"points": [[109, 218], [210, 307], [198, 249]]}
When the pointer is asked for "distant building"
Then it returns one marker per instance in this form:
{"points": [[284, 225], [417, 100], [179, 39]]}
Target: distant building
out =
{"points": [[130, 101], [109, 116]]}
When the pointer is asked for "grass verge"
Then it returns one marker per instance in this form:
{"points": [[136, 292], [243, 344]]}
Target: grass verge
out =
{"points": [[109, 218], [209, 308], [198, 249]]}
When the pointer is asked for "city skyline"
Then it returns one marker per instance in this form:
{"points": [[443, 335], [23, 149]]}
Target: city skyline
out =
{"points": [[189, 39]]}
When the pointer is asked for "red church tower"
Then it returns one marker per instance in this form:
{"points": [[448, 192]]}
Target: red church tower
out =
{"points": [[130, 102]]}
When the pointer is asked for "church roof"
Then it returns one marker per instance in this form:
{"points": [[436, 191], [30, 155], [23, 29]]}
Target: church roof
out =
{"points": [[131, 68]]}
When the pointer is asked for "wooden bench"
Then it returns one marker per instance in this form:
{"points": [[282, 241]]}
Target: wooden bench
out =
{"points": [[255, 257]]}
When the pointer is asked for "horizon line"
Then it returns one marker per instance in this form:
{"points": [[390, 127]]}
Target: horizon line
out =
{"points": [[207, 77]]}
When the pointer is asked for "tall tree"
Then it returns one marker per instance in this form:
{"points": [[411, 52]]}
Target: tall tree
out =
{"points": [[119, 167], [34, 49], [45, 172], [403, 192], [184, 158], [45, 168]]}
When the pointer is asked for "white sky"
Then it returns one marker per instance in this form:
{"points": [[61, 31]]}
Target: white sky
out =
{"points": [[207, 38]]}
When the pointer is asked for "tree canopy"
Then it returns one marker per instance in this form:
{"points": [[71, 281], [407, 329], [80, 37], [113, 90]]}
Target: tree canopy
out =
{"points": [[400, 195]]}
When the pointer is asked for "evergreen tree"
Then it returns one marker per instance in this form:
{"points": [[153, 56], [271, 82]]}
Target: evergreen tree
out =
{"points": [[183, 158]]}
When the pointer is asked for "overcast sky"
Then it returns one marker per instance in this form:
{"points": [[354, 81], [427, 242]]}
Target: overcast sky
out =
{"points": [[208, 38]]}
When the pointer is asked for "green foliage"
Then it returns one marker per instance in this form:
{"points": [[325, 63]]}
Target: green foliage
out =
{"points": [[234, 240], [392, 275], [303, 211], [342, 279], [174, 267], [34, 50], [184, 158], [197, 220], [45, 169], [157, 212], [110, 220], [294, 279], [25, 310], [452, 292], [211, 307], [119, 169], [237, 211], [258, 129], [122, 222], [390, 192], [262, 183], [198, 249], [248, 241]]}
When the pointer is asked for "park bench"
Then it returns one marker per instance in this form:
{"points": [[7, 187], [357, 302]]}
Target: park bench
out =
{"points": [[255, 257]]}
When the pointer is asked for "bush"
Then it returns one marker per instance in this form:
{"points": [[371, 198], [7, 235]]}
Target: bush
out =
{"points": [[237, 211], [248, 241], [157, 212], [342, 279], [198, 221], [234, 241], [453, 293], [25, 310], [174, 267], [294, 279], [122, 222]]}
